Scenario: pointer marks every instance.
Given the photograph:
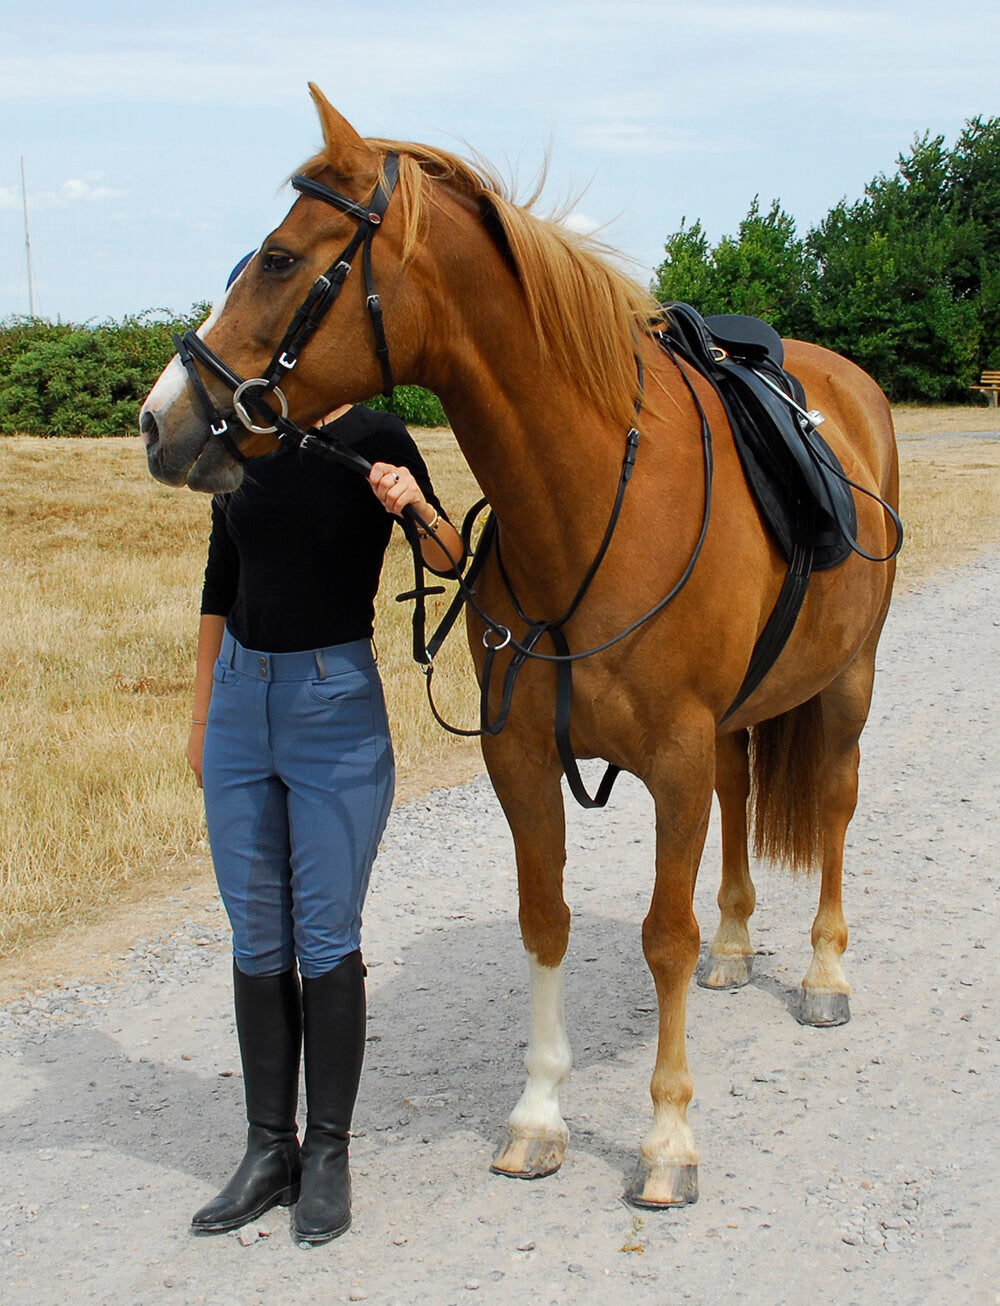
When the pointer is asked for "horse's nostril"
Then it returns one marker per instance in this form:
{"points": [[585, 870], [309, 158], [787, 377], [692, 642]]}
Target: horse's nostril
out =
{"points": [[148, 429]]}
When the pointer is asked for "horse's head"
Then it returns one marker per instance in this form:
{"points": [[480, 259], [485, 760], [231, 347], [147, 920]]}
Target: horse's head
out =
{"points": [[199, 421]]}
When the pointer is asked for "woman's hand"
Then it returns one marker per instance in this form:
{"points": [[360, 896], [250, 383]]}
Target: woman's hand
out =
{"points": [[195, 748], [395, 487]]}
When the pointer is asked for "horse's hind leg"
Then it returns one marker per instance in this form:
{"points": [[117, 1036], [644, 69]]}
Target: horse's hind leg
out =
{"points": [[825, 990], [532, 800], [729, 963]]}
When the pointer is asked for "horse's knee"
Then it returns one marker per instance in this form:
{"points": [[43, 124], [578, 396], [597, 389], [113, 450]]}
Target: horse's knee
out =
{"points": [[671, 954]]}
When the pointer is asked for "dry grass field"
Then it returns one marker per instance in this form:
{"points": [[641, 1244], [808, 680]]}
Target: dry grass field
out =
{"points": [[100, 590]]}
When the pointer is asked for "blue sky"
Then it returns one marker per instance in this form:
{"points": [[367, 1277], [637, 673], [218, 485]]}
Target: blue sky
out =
{"points": [[156, 136]]}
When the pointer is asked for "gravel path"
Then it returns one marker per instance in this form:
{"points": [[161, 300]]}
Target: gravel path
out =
{"points": [[856, 1164]]}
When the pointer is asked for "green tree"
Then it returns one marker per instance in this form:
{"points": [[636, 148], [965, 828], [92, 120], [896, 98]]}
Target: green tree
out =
{"points": [[975, 183], [895, 271], [905, 280], [687, 274], [764, 270]]}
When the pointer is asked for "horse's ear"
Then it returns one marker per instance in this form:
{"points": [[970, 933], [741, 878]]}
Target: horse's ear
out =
{"points": [[345, 151]]}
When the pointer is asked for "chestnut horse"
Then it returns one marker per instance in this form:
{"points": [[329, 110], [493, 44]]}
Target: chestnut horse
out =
{"points": [[530, 336]]}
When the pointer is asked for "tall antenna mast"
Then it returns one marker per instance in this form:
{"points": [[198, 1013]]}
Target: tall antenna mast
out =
{"points": [[27, 244]]}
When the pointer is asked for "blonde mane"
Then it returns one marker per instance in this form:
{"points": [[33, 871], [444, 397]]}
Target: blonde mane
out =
{"points": [[587, 315]]}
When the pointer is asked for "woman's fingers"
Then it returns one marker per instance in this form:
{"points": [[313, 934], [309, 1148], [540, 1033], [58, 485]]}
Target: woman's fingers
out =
{"points": [[395, 487], [196, 744]]}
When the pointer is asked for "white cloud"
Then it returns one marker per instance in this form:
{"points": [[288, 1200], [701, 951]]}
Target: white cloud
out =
{"points": [[580, 223], [83, 188], [622, 137], [74, 190]]}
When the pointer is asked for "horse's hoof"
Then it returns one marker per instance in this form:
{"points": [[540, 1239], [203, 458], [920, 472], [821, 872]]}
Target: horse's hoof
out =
{"points": [[529, 1158], [729, 970], [823, 1007], [657, 1187]]}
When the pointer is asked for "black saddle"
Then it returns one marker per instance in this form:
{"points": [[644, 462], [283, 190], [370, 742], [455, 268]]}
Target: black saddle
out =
{"points": [[794, 475]]}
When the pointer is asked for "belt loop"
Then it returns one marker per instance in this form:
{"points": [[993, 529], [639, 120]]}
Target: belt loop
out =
{"points": [[320, 666], [232, 650]]}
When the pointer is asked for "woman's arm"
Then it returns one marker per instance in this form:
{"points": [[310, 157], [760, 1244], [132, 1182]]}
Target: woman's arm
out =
{"points": [[395, 487], [210, 631]]}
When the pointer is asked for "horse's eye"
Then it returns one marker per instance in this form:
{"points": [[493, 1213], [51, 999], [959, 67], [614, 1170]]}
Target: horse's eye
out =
{"points": [[277, 261]]}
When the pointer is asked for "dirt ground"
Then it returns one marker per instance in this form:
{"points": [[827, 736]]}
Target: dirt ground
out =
{"points": [[855, 1164], [924, 419]]}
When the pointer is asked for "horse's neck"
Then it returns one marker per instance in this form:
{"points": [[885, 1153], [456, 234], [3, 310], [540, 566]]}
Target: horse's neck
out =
{"points": [[547, 462], [548, 467]]}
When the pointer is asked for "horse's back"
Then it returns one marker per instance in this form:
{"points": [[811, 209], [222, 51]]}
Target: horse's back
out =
{"points": [[858, 422]]}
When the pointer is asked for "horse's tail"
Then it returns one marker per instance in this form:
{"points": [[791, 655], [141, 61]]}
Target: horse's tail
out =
{"points": [[786, 759]]}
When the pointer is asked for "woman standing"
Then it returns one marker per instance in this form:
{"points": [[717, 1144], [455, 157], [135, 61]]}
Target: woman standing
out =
{"points": [[290, 741]]}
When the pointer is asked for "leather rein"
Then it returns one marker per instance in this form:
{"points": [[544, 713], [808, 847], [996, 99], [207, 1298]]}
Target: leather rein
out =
{"points": [[251, 401]]}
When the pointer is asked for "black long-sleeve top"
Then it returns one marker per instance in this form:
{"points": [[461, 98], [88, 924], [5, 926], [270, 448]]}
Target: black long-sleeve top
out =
{"points": [[295, 553]]}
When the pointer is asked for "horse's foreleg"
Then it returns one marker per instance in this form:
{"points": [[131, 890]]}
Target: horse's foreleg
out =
{"points": [[825, 990], [532, 800], [730, 959], [667, 1173]]}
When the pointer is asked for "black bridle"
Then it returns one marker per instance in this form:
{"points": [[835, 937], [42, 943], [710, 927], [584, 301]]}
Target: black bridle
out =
{"points": [[250, 397]]}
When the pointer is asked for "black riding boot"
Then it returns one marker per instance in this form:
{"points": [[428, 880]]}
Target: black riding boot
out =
{"points": [[269, 1024], [333, 1008]]}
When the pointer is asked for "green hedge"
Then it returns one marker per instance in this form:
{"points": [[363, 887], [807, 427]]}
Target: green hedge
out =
{"points": [[416, 407], [57, 378]]}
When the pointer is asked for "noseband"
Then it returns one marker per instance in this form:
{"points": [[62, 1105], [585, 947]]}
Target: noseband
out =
{"points": [[250, 397]]}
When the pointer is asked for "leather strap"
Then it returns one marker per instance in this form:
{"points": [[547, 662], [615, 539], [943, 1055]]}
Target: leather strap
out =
{"points": [[307, 318], [218, 425], [564, 709], [778, 627]]}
